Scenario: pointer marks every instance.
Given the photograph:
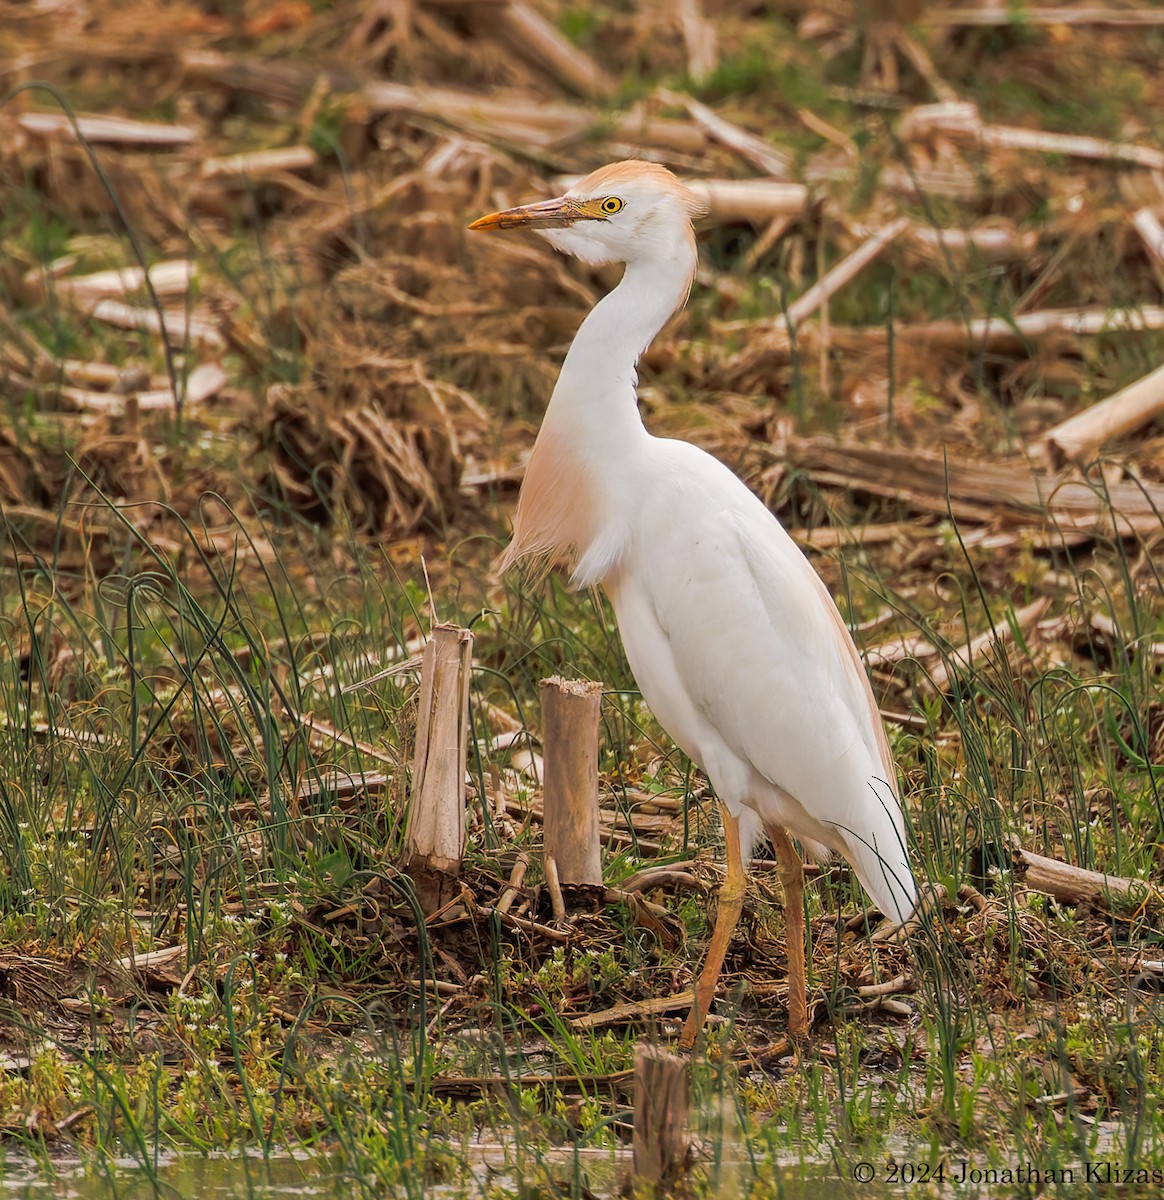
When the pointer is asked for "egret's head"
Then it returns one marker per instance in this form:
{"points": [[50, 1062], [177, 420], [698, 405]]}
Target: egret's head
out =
{"points": [[620, 213]]}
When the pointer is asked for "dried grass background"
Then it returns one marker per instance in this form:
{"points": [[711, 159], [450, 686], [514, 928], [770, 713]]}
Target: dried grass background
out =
{"points": [[317, 168]]}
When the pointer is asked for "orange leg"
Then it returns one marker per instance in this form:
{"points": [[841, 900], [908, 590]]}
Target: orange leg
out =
{"points": [[731, 904], [791, 872]]}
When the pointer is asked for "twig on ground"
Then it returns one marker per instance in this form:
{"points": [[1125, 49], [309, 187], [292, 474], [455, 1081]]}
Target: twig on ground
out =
{"points": [[891, 987], [961, 119], [554, 887], [181, 328], [988, 15], [844, 272], [621, 1014], [1112, 635], [701, 39], [747, 145], [257, 164], [526, 31], [1080, 437], [1148, 226], [513, 888], [109, 130], [1075, 885], [969, 657]]}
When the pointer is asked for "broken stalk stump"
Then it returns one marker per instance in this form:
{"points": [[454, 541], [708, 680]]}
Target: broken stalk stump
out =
{"points": [[434, 837], [661, 1104], [570, 745]]}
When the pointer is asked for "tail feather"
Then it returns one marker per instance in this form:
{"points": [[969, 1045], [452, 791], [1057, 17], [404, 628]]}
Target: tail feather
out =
{"points": [[880, 858]]}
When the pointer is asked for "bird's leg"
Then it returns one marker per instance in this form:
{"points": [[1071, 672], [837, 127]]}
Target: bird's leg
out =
{"points": [[731, 904], [791, 871]]}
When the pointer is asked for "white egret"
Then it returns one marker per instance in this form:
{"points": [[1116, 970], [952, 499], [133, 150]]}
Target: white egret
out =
{"points": [[733, 639]]}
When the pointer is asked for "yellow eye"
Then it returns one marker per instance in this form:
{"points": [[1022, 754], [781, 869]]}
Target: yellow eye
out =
{"points": [[611, 205]]}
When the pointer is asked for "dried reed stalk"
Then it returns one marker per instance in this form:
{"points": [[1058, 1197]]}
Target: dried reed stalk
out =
{"points": [[533, 37], [434, 835], [554, 887], [970, 656], [1080, 437], [520, 117], [700, 38], [148, 959], [513, 888], [1076, 885], [180, 328], [205, 381], [844, 272], [169, 279], [1002, 333], [981, 333], [1111, 634], [830, 537], [899, 648], [1148, 226], [1006, 137], [767, 240], [108, 130], [955, 181], [254, 164], [1005, 14], [634, 1010], [961, 119], [1009, 335], [570, 716], [752, 149], [984, 493], [989, 243]]}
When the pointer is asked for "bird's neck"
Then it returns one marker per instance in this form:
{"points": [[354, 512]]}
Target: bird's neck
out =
{"points": [[583, 481], [595, 392]]}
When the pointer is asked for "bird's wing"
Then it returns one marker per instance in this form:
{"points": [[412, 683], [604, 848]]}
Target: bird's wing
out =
{"points": [[759, 644], [854, 668], [741, 652]]}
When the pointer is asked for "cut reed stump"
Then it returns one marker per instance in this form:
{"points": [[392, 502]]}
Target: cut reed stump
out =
{"points": [[661, 1105], [570, 744], [434, 837]]}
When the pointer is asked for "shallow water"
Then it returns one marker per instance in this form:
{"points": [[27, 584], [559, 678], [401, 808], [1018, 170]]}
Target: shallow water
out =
{"points": [[218, 1177], [245, 1177]]}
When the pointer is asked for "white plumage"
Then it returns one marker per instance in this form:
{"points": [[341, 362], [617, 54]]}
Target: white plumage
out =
{"points": [[734, 641]]}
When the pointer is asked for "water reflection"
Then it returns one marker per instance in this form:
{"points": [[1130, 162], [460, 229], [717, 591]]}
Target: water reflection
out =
{"points": [[235, 1177], [247, 1177]]}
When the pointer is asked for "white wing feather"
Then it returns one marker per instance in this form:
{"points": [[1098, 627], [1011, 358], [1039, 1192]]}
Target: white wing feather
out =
{"points": [[739, 650]]}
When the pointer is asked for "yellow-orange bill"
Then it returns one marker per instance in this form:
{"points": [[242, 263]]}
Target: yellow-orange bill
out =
{"points": [[549, 214]]}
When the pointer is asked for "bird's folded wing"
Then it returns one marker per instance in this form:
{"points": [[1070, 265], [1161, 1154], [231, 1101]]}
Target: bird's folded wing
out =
{"points": [[764, 654]]}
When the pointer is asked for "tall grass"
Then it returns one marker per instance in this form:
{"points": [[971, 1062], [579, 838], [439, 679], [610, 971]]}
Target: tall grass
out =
{"points": [[173, 732], [172, 777]]}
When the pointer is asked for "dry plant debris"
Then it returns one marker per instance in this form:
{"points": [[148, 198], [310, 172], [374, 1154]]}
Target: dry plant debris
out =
{"points": [[309, 336], [367, 291]]}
